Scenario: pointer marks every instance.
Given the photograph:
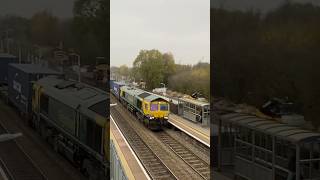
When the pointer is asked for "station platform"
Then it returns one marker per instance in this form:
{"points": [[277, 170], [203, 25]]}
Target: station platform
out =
{"points": [[124, 163], [198, 132], [3, 175]]}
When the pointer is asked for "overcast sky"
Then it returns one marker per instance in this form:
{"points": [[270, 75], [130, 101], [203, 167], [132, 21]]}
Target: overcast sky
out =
{"points": [[181, 27], [26, 8], [261, 5]]}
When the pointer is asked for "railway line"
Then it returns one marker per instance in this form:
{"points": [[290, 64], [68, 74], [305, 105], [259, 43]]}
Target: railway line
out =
{"points": [[152, 163], [16, 163], [150, 160], [197, 164], [193, 167]]}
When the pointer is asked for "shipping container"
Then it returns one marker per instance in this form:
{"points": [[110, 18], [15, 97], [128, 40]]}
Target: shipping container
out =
{"points": [[115, 88], [5, 59], [20, 81]]}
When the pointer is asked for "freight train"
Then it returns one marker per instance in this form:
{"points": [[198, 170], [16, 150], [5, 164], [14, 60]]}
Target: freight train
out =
{"points": [[149, 108], [71, 116]]}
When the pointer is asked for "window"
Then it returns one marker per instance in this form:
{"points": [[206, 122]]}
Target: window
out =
{"points": [[100, 108], [44, 104], [154, 107], [94, 135], [90, 133], [139, 104], [63, 115], [164, 107]]}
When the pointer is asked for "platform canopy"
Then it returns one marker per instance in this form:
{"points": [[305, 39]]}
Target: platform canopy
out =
{"points": [[272, 127]]}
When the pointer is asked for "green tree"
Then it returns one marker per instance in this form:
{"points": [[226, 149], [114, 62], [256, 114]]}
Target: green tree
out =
{"points": [[124, 70], [91, 27], [169, 66], [149, 65], [257, 57], [192, 79]]}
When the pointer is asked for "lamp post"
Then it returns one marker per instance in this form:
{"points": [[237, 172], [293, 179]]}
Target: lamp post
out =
{"points": [[78, 56]]}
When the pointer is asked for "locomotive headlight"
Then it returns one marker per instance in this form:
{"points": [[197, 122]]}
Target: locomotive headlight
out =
{"points": [[166, 117], [151, 117]]}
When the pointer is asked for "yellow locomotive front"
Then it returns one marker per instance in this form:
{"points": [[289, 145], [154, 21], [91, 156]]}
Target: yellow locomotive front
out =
{"points": [[156, 110]]}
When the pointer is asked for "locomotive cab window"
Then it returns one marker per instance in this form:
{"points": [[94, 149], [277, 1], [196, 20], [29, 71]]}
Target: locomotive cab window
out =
{"points": [[139, 104], [100, 108], [90, 133], [164, 107], [44, 104], [154, 107]]}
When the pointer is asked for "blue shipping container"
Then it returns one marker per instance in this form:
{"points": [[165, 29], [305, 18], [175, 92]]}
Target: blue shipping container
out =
{"points": [[20, 82], [115, 88], [5, 59]]}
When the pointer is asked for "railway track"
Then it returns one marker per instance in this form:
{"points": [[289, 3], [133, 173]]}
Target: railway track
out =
{"points": [[152, 163], [200, 167], [16, 163], [196, 163]]}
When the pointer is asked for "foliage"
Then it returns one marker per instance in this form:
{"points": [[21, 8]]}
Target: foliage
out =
{"points": [[259, 56], [194, 79], [87, 33], [44, 29], [150, 66], [91, 25], [124, 71], [154, 67], [19, 27]]}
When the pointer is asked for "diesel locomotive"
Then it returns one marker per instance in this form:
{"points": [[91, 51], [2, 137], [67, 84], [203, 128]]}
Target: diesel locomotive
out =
{"points": [[72, 117], [149, 108]]}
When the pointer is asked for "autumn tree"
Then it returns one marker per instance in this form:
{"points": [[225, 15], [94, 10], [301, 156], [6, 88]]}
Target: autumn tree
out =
{"points": [[124, 70], [259, 56], [169, 66], [149, 65], [153, 67], [192, 79], [44, 29], [91, 27]]}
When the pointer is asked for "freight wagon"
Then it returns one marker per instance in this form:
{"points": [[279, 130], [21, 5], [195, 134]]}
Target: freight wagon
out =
{"points": [[115, 88], [5, 60], [20, 80]]}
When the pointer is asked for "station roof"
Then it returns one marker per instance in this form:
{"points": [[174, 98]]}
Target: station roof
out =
{"points": [[271, 127], [194, 101], [34, 69]]}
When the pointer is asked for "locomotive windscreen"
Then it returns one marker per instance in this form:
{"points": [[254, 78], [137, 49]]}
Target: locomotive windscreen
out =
{"points": [[164, 107], [154, 107], [100, 108]]}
